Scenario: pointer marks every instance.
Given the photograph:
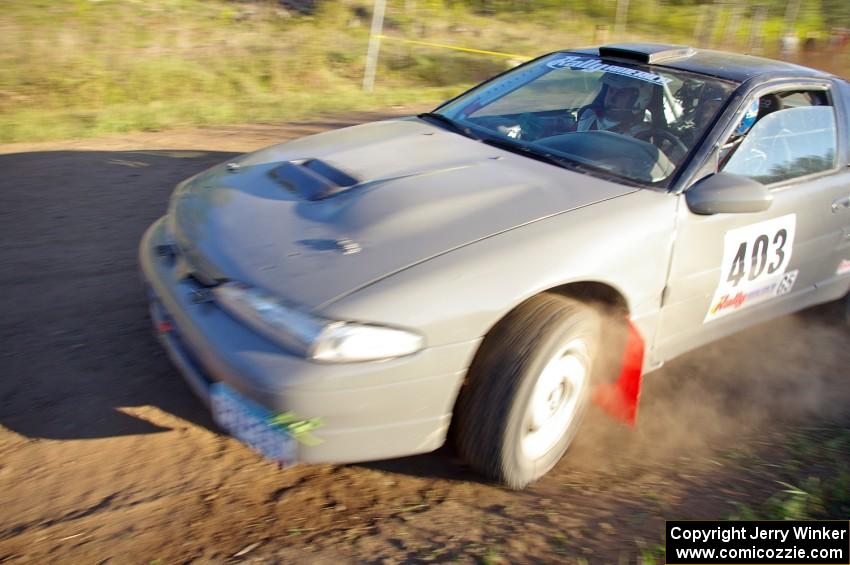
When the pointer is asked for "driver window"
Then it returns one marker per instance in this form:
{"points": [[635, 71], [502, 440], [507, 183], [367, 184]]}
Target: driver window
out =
{"points": [[794, 135]]}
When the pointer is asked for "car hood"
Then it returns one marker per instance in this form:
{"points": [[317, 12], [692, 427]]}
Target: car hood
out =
{"points": [[317, 218]]}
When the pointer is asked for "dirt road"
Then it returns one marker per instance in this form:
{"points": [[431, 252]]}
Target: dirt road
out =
{"points": [[106, 456]]}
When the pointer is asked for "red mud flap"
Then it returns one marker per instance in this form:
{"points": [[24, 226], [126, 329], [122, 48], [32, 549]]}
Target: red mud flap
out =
{"points": [[620, 398]]}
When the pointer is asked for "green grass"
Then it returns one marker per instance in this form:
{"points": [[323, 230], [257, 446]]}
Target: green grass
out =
{"points": [[30, 124], [788, 503], [811, 478], [652, 556], [88, 67], [814, 479]]}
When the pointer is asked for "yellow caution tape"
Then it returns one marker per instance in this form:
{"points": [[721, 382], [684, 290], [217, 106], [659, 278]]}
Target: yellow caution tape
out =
{"points": [[455, 47]]}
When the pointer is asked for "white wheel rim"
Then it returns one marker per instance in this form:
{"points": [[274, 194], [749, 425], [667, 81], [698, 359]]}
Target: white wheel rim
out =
{"points": [[555, 399]]}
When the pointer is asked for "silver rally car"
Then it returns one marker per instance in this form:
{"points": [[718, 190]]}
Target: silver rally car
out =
{"points": [[492, 267]]}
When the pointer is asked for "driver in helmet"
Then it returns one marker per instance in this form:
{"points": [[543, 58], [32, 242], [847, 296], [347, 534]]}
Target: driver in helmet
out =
{"points": [[747, 121], [619, 107], [750, 117]]}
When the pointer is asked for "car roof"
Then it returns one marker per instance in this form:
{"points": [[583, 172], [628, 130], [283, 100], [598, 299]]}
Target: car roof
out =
{"points": [[720, 64]]}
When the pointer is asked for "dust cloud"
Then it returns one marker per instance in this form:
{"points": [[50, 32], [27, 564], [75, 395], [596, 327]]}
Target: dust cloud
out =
{"points": [[789, 373]]}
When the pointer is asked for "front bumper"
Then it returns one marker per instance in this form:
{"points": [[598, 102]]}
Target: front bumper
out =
{"points": [[370, 411]]}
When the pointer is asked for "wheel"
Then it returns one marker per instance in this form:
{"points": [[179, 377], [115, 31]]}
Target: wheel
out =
{"points": [[527, 389], [666, 142], [531, 126]]}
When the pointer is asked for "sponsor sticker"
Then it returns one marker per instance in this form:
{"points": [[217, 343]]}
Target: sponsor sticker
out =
{"points": [[753, 269], [787, 282], [589, 65], [843, 267], [503, 87]]}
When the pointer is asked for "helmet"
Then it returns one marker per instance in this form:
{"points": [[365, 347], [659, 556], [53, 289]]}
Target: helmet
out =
{"points": [[710, 100], [712, 92], [634, 105], [749, 118]]}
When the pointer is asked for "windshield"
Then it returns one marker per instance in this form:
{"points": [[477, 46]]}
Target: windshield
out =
{"points": [[635, 122]]}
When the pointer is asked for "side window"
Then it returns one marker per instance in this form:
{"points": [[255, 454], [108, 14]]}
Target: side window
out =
{"points": [[788, 140]]}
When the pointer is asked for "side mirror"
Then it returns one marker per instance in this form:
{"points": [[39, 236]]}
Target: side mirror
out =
{"points": [[725, 193]]}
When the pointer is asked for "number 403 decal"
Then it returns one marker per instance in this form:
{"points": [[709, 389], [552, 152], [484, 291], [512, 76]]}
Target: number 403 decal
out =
{"points": [[757, 253], [765, 255], [755, 259]]}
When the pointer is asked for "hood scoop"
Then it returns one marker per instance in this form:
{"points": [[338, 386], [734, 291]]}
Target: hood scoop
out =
{"points": [[312, 179]]}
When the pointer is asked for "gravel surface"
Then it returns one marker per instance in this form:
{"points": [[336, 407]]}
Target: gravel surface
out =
{"points": [[107, 457]]}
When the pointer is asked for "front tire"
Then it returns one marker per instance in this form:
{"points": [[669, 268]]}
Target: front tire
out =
{"points": [[527, 389]]}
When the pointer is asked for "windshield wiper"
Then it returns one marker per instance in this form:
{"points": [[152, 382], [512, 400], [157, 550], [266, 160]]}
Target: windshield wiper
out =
{"points": [[446, 121], [531, 152], [558, 161], [514, 147]]}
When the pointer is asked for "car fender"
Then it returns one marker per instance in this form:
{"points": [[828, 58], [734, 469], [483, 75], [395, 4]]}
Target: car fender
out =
{"points": [[624, 242]]}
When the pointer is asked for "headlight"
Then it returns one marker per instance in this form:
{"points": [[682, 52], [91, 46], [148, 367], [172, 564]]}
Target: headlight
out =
{"points": [[313, 337], [348, 341]]}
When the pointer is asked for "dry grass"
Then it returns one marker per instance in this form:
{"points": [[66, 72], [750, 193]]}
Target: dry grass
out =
{"points": [[89, 67]]}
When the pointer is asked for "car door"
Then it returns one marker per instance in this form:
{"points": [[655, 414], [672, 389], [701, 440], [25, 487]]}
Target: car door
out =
{"points": [[839, 284], [731, 270]]}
